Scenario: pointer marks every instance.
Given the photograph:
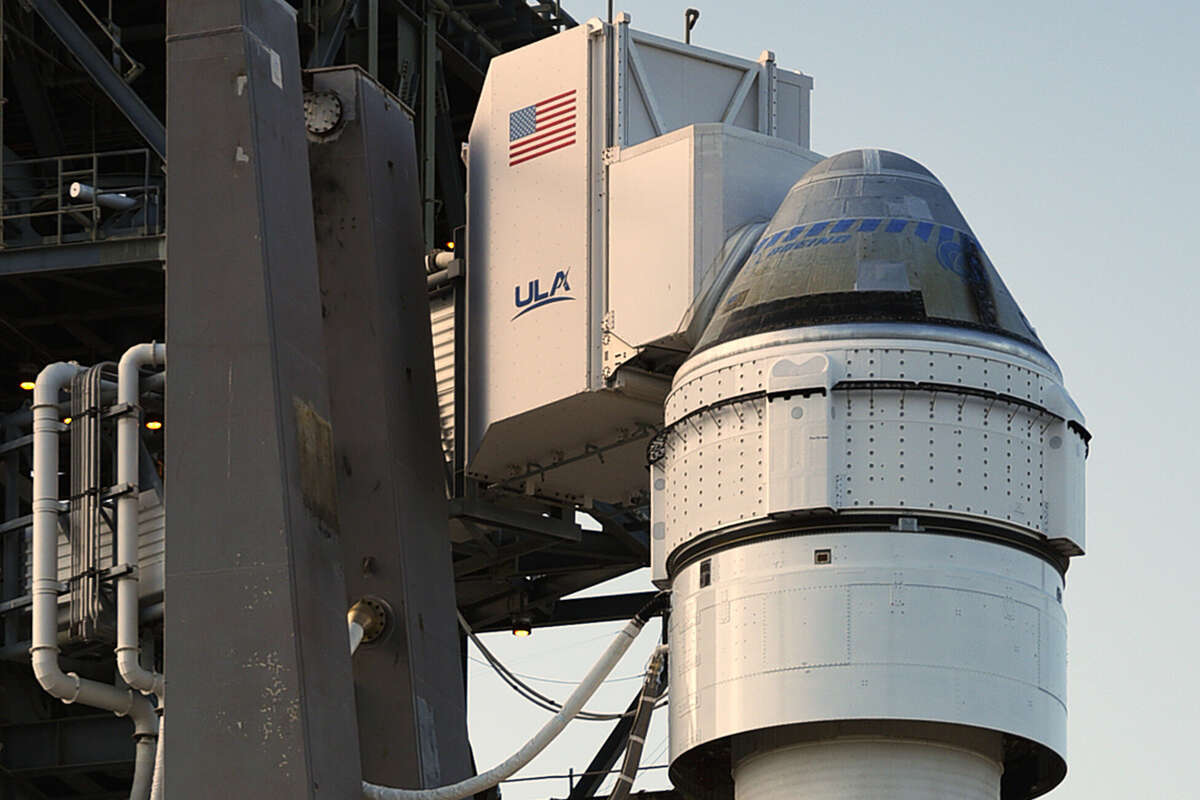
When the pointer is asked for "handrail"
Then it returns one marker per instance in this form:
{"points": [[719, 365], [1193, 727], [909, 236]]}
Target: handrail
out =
{"points": [[35, 209]]}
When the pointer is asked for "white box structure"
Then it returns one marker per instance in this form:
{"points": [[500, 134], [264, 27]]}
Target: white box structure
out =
{"points": [[608, 170]]}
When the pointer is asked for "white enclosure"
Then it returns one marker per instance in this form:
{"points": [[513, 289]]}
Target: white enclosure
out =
{"points": [[607, 168]]}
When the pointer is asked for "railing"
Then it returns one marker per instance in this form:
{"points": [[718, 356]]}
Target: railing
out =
{"points": [[37, 209]]}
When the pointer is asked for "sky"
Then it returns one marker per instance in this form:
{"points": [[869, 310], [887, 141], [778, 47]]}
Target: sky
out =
{"points": [[1067, 134]]}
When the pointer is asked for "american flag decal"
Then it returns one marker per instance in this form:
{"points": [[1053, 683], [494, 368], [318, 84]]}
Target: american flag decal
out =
{"points": [[541, 128]]}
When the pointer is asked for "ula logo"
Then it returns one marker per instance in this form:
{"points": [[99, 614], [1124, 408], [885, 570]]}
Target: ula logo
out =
{"points": [[536, 298]]}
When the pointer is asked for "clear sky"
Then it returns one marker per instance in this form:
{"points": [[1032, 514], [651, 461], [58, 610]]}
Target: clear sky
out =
{"points": [[1067, 133]]}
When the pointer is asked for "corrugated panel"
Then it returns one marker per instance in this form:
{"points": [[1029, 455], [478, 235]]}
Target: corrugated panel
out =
{"points": [[151, 536], [441, 318]]}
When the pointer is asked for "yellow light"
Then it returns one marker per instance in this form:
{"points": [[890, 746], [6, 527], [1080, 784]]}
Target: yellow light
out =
{"points": [[522, 625], [154, 425], [66, 420], [449, 245], [28, 385]]}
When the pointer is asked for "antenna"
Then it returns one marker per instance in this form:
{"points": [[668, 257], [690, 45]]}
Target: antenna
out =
{"points": [[689, 21]]}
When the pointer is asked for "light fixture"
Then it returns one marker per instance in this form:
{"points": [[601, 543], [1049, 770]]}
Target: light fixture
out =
{"points": [[153, 424], [28, 385], [66, 420], [449, 245], [522, 625]]}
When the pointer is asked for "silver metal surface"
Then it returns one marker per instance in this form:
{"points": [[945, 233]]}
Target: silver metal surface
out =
{"points": [[864, 498]]}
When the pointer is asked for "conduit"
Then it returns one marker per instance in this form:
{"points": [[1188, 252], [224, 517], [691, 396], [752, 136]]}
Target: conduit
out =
{"points": [[356, 635], [641, 724], [156, 786], [69, 687], [128, 646], [553, 727]]}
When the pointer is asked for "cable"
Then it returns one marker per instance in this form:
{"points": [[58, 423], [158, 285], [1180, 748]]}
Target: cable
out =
{"points": [[524, 689], [636, 677], [568, 776], [553, 727]]}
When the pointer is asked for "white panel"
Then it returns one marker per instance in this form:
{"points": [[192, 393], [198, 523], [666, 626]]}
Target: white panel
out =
{"points": [[674, 202], [691, 84], [651, 218], [527, 227], [905, 626], [956, 453], [868, 768], [617, 240]]}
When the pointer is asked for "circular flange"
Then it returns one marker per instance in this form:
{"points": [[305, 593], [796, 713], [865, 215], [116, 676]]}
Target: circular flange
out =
{"points": [[322, 112]]}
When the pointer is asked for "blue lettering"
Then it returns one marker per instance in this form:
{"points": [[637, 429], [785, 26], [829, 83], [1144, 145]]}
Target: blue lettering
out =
{"points": [[560, 279], [517, 296]]}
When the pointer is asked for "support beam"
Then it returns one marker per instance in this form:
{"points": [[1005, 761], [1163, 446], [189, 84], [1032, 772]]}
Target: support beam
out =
{"points": [[329, 43], [391, 490], [584, 610], [256, 647], [428, 120], [102, 72], [150, 250]]}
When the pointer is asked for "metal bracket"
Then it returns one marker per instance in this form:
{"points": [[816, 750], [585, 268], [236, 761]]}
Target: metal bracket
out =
{"points": [[118, 571]]}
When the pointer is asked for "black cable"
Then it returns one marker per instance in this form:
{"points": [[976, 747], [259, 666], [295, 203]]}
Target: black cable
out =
{"points": [[523, 689]]}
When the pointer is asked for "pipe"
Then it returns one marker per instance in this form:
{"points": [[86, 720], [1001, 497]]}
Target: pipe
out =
{"points": [[128, 646], [156, 786], [114, 200], [143, 768], [356, 636], [553, 727], [641, 724], [43, 652]]}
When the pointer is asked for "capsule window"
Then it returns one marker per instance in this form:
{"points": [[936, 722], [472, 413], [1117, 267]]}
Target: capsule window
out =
{"points": [[705, 572], [822, 556]]}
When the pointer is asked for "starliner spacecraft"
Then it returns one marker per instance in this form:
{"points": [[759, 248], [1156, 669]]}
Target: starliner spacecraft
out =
{"points": [[868, 480]]}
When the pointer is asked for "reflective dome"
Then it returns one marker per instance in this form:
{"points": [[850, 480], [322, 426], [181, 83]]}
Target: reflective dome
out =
{"points": [[867, 236]]}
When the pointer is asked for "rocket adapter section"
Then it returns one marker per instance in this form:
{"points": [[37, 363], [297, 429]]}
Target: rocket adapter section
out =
{"points": [[864, 501]]}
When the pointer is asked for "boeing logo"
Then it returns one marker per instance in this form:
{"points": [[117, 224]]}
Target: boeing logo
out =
{"points": [[536, 298]]}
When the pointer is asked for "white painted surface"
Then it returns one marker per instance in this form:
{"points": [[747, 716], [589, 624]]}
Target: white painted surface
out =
{"points": [[667, 161], [897, 626], [868, 768], [860, 449]]}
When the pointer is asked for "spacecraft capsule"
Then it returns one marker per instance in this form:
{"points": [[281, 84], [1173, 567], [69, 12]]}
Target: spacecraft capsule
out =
{"points": [[864, 501]]}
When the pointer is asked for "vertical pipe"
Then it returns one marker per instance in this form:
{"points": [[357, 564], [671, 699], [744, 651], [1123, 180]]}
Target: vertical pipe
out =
{"points": [[429, 123], [43, 652], [10, 566], [128, 643], [373, 38]]}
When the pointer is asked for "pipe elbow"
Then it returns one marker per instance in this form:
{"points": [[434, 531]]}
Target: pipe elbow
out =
{"points": [[57, 683], [140, 355], [133, 673], [51, 380]]}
